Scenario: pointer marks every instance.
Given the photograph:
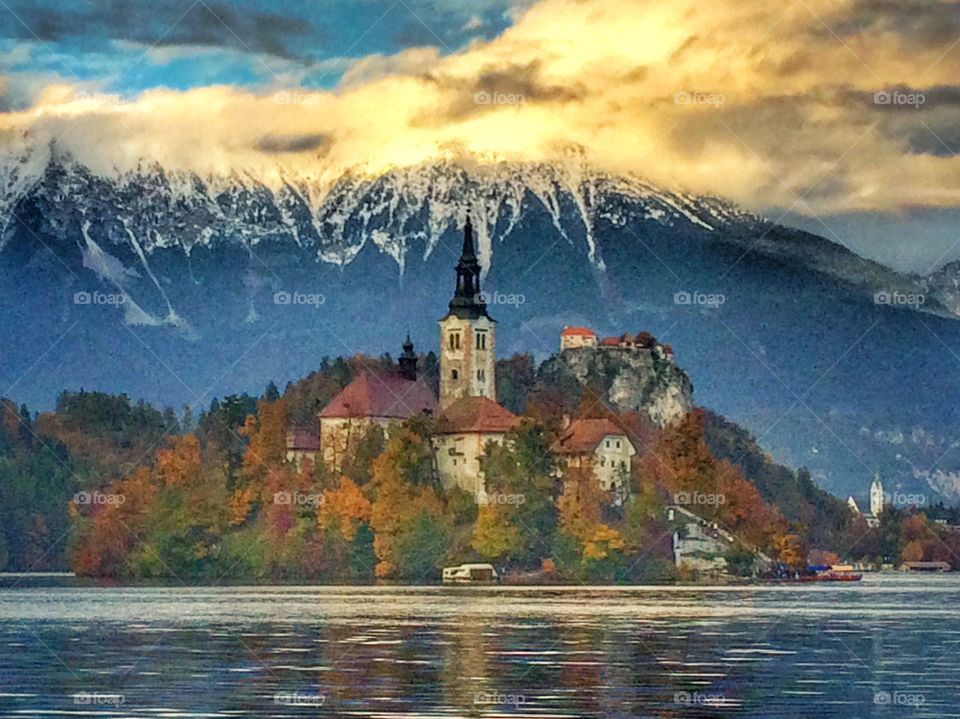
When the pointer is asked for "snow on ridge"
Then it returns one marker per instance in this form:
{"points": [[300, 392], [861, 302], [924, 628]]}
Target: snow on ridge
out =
{"points": [[335, 219]]}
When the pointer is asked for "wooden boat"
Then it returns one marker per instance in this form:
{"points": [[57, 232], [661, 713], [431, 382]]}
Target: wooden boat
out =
{"points": [[470, 574]]}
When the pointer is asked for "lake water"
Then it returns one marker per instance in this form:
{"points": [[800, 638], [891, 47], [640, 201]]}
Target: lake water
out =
{"points": [[886, 647]]}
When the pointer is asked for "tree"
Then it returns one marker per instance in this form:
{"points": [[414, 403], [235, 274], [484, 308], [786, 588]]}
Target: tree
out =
{"points": [[186, 419], [344, 509], [580, 517], [523, 470], [406, 510], [271, 393], [495, 534]]}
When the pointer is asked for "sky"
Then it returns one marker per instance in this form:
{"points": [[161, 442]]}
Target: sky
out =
{"points": [[839, 116]]}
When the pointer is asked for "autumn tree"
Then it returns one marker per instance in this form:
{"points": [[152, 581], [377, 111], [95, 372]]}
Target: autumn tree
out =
{"points": [[407, 512], [522, 471]]}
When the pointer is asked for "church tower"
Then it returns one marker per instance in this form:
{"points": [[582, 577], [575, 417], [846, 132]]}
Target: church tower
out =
{"points": [[876, 497], [408, 361], [467, 334]]}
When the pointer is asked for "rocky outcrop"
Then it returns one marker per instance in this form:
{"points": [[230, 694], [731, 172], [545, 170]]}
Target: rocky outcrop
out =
{"points": [[630, 379]]}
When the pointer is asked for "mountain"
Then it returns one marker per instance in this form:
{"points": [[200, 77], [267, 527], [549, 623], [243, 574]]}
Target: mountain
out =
{"points": [[178, 288]]}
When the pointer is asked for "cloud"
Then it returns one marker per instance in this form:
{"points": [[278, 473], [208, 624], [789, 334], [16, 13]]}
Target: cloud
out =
{"points": [[169, 23], [292, 143], [770, 105]]}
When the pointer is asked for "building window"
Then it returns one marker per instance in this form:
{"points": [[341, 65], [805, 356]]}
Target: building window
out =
{"points": [[454, 340], [481, 375], [618, 444], [480, 340], [608, 444], [454, 374]]}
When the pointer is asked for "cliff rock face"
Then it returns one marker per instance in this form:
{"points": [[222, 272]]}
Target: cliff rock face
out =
{"points": [[630, 379]]}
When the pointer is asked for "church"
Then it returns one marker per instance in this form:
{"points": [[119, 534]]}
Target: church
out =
{"points": [[466, 409]]}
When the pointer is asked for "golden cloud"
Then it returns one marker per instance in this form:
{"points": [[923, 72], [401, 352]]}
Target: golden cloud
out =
{"points": [[818, 106]]}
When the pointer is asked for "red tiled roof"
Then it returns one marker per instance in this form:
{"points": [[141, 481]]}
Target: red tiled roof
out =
{"points": [[583, 436], [477, 414], [577, 332], [610, 342], [387, 395], [304, 439]]}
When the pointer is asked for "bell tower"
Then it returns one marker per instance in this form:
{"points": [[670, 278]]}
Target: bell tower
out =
{"points": [[467, 334]]}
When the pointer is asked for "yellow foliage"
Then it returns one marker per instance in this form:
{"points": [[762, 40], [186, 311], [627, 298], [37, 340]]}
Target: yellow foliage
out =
{"points": [[344, 508], [494, 535], [241, 502], [603, 540]]}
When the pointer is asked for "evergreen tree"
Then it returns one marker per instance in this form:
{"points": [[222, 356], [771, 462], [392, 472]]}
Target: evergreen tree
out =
{"points": [[271, 393]]}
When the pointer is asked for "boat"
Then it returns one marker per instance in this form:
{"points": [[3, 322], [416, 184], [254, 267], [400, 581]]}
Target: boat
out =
{"points": [[817, 574], [470, 574]]}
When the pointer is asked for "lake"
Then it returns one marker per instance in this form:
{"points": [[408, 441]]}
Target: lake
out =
{"points": [[885, 647]]}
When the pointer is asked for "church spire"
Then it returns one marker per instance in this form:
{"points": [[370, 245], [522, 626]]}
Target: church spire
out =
{"points": [[468, 250], [408, 360], [467, 302]]}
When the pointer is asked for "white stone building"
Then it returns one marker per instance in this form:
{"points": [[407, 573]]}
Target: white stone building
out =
{"points": [[572, 338], [465, 429], [601, 445]]}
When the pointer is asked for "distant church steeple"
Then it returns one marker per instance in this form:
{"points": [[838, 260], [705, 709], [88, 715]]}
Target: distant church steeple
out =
{"points": [[467, 302], [408, 360]]}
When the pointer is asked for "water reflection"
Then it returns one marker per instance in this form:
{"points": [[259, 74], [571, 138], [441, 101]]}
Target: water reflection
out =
{"points": [[885, 648]]}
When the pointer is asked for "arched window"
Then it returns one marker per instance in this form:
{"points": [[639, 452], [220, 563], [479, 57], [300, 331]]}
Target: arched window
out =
{"points": [[454, 374]]}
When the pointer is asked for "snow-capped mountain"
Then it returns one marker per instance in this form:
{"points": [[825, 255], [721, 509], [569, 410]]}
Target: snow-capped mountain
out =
{"points": [[176, 287]]}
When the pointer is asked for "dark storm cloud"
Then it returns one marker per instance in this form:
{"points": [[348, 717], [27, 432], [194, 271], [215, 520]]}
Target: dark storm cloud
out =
{"points": [[919, 23], [496, 86], [277, 144], [176, 22]]}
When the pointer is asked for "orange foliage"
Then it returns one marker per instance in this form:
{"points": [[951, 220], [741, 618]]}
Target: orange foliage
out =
{"points": [[344, 508], [179, 464]]}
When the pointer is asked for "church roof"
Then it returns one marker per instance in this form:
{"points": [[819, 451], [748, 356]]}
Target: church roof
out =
{"points": [[381, 395], [303, 439], [610, 342], [583, 436], [477, 414]]}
